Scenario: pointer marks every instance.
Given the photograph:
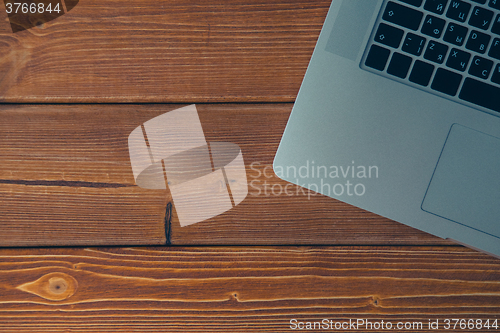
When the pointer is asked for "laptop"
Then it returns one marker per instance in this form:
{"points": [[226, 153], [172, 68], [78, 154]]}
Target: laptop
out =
{"points": [[399, 114]]}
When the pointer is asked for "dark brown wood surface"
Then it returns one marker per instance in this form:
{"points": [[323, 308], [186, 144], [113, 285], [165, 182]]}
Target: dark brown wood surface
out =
{"points": [[66, 179], [162, 51], [242, 289]]}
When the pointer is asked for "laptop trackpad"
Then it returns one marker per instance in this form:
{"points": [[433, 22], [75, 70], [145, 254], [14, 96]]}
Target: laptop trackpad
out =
{"points": [[465, 187]]}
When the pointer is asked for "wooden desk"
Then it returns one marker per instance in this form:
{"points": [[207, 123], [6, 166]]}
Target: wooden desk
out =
{"points": [[65, 180]]}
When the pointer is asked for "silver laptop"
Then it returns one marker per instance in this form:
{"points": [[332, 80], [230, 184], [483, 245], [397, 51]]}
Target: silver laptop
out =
{"points": [[399, 114]]}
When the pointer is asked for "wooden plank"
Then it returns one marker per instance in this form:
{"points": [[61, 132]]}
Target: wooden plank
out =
{"points": [[72, 215], [66, 179], [243, 289], [173, 51]]}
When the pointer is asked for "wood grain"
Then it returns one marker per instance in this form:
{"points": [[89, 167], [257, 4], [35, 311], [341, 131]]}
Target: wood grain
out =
{"points": [[172, 51], [66, 179], [241, 289]]}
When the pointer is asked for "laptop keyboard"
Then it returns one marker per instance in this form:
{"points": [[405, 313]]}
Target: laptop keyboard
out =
{"points": [[450, 48]]}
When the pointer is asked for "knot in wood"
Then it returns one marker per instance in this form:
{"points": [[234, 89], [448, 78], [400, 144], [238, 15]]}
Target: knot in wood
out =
{"points": [[52, 286], [57, 285]]}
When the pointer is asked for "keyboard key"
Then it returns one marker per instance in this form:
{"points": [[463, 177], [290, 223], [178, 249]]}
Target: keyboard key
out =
{"points": [[416, 3], [478, 41], [495, 49], [377, 57], [399, 65], [494, 4], [446, 82], [458, 60], [402, 15], [458, 10], [421, 73], [481, 18], [388, 35], [433, 26], [482, 2], [496, 25], [480, 67], [496, 74], [413, 44], [455, 34], [436, 52], [435, 6], [481, 93]]}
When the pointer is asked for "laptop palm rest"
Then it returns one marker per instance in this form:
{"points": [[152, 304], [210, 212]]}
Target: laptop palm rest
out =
{"points": [[465, 187], [350, 28]]}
